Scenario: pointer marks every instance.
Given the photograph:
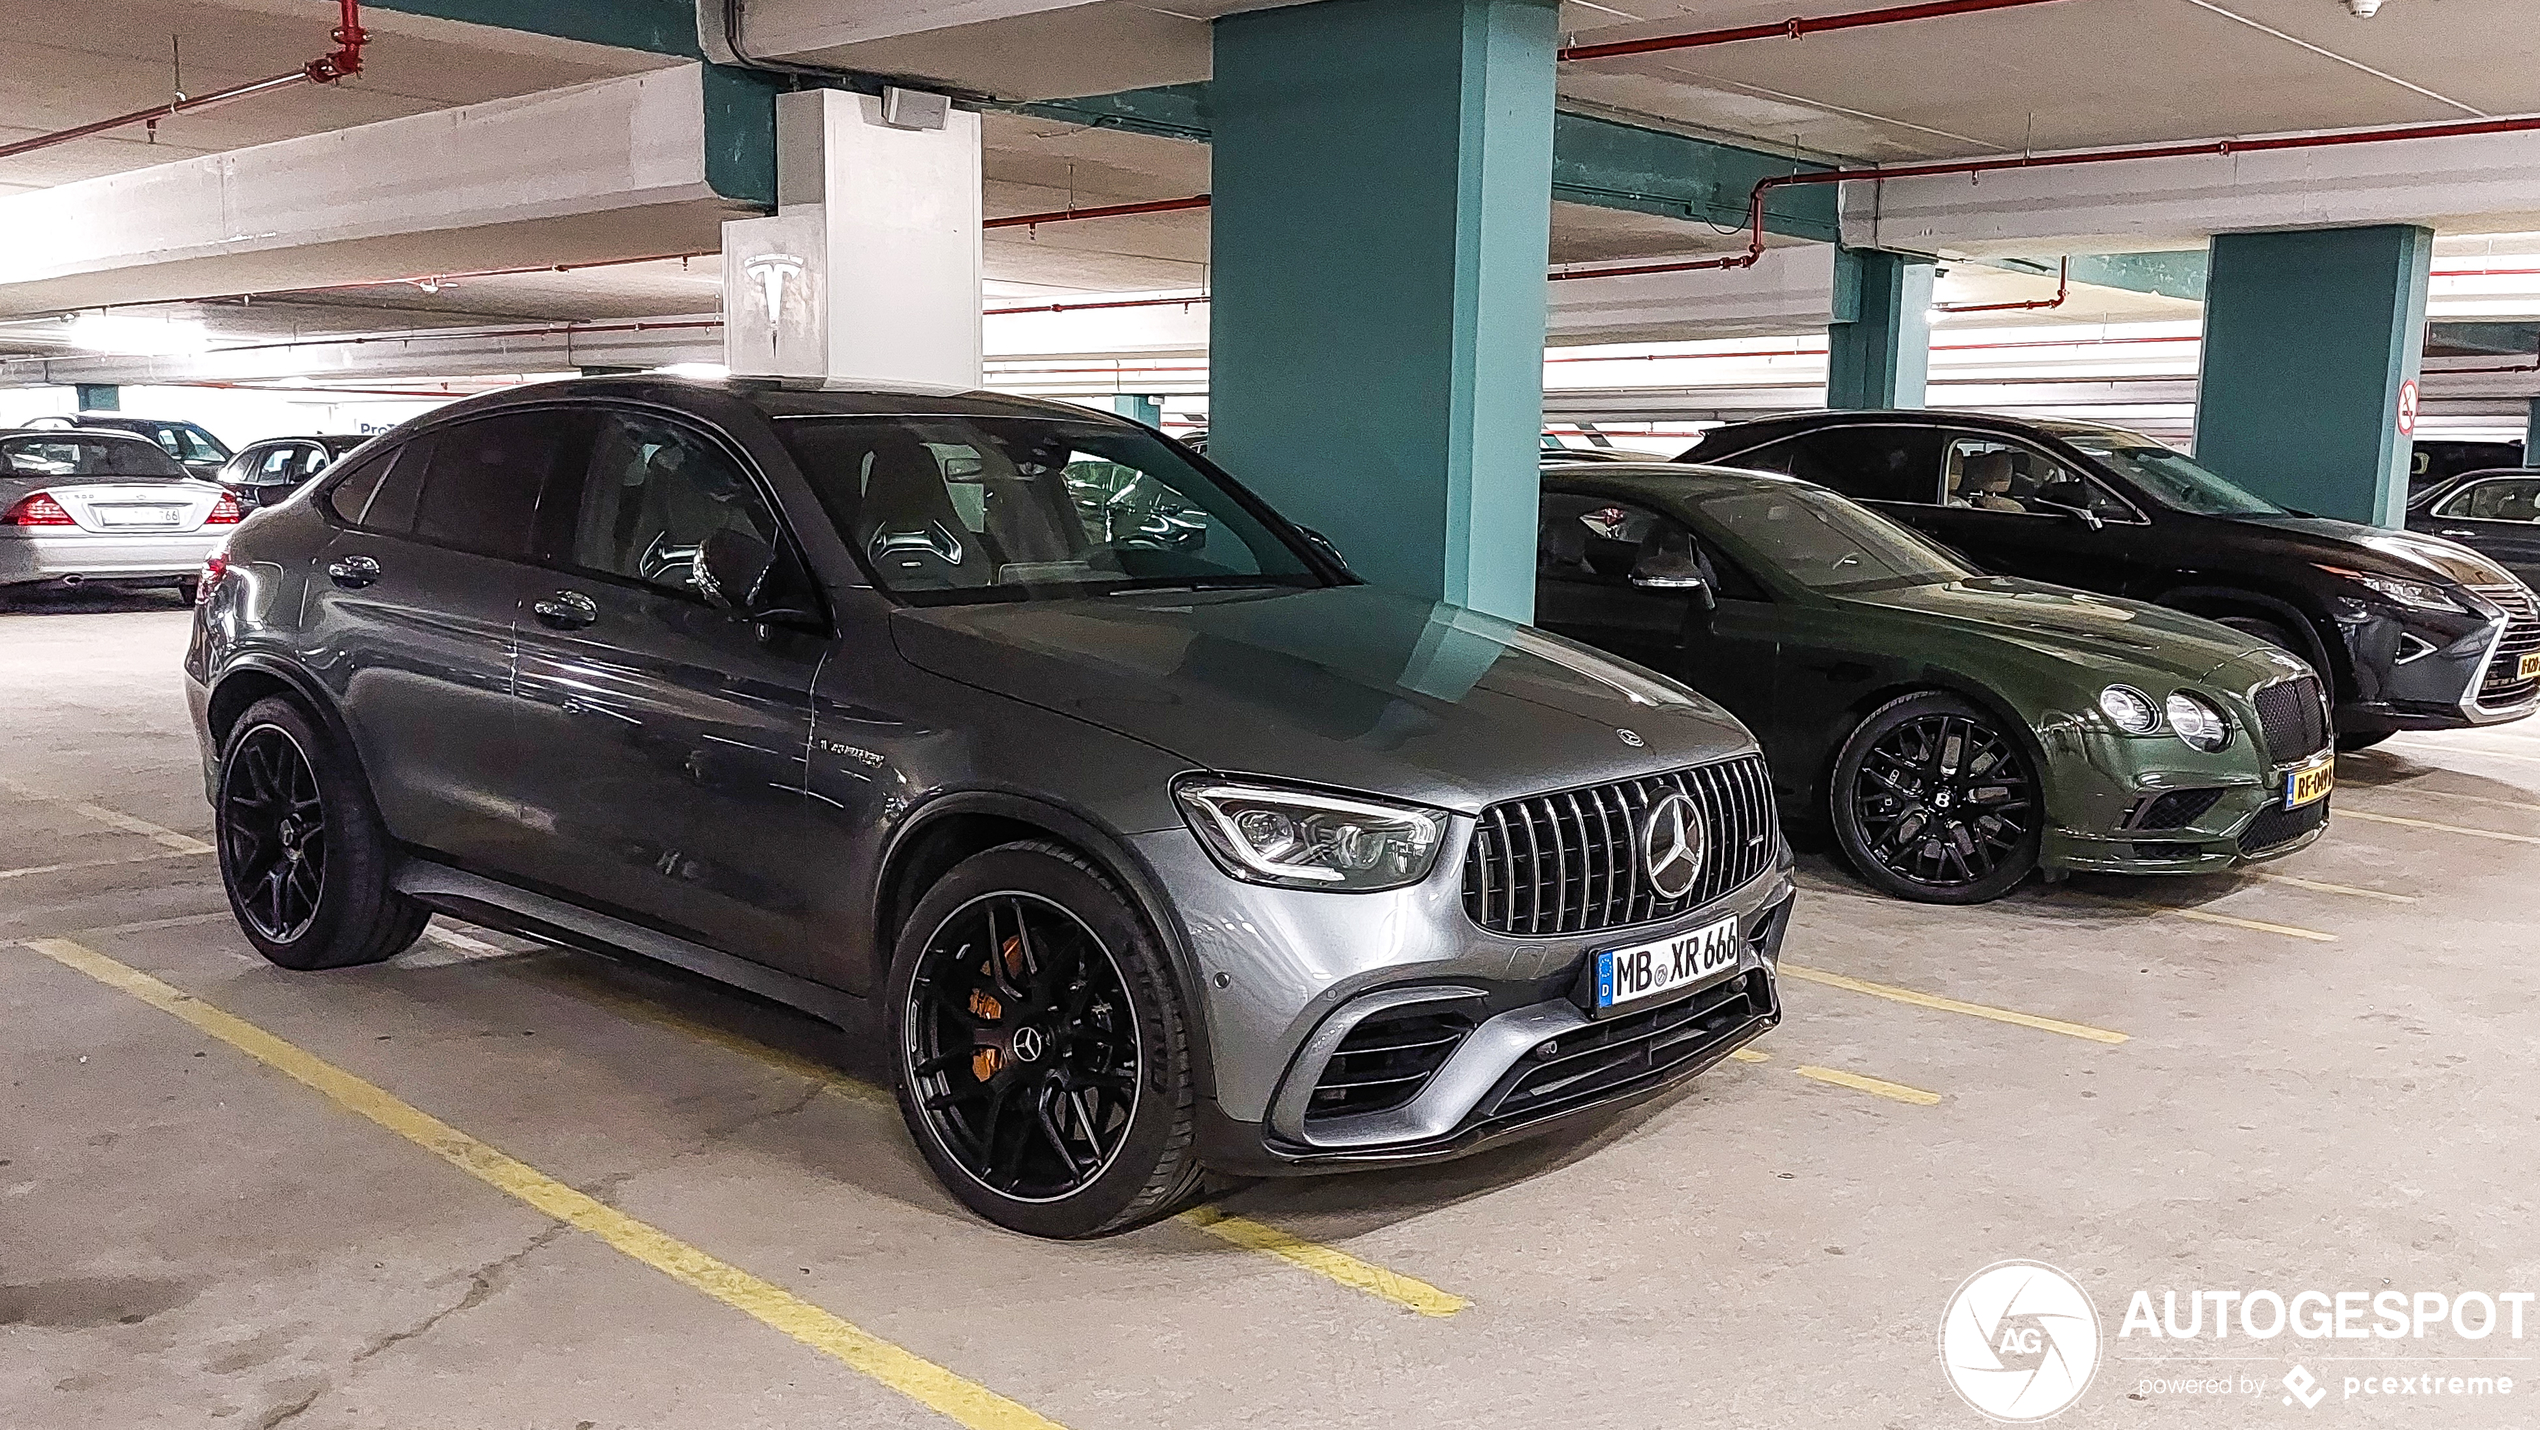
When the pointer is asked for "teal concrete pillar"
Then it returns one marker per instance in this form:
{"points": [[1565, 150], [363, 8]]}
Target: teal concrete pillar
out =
{"points": [[1381, 219], [1149, 410], [98, 397], [1882, 358], [2531, 436], [2309, 339]]}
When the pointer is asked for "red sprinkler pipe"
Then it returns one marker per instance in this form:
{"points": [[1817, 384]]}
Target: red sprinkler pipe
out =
{"points": [[1794, 28], [2063, 290], [2202, 148], [1069, 215], [345, 59]]}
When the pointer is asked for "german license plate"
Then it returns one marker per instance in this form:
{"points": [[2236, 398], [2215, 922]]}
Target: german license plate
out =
{"points": [[1671, 965], [2530, 667], [2311, 783], [137, 515]]}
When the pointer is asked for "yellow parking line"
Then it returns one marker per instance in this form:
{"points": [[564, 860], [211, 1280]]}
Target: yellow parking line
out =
{"points": [[2206, 916], [1749, 1055], [1896, 1090], [2445, 795], [965, 1402], [1328, 1262], [2325, 888], [2470, 750], [96, 863], [1952, 1005], [1333, 1265], [2444, 828]]}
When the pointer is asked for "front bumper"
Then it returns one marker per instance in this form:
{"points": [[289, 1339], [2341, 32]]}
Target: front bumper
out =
{"points": [[2107, 793], [27, 560], [2418, 670], [1283, 976]]}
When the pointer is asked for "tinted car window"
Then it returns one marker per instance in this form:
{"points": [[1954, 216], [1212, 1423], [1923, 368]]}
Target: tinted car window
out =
{"points": [[651, 495], [1867, 463], [1006, 508], [1600, 541], [1983, 472], [2507, 499], [481, 485], [68, 456], [2169, 477], [379, 495], [1825, 542]]}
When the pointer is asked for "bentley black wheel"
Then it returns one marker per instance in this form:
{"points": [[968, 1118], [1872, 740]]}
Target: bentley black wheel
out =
{"points": [[1934, 801], [1042, 1061], [302, 854]]}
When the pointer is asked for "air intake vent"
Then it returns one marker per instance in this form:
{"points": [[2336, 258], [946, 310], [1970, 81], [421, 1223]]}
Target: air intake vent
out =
{"points": [[1385, 1062]]}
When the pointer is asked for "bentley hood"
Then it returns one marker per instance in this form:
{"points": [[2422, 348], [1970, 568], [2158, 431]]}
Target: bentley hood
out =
{"points": [[1345, 686], [2113, 637]]}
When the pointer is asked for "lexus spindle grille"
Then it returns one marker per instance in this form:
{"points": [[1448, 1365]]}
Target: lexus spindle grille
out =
{"points": [[2503, 683], [2293, 719], [1572, 863]]}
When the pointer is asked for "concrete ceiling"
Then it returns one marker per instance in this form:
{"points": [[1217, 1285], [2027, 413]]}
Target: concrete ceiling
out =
{"points": [[68, 64]]}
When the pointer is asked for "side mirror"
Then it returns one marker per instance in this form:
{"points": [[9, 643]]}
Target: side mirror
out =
{"points": [[2071, 498], [743, 576], [1323, 544], [1686, 581]]}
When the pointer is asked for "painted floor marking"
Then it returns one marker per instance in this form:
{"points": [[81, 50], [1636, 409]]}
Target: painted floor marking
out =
{"points": [[1952, 1005], [963, 1401]]}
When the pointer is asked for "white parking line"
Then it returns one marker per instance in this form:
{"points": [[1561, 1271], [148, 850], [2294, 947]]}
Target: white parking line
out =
{"points": [[97, 863], [2321, 887], [2496, 834], [160, 835]]}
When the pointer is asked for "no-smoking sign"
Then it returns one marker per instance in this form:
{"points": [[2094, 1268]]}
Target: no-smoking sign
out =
{"points": [[2408, 408]]}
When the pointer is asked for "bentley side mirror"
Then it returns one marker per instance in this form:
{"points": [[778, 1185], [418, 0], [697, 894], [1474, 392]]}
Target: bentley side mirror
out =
{"points": [[1690, 582]]}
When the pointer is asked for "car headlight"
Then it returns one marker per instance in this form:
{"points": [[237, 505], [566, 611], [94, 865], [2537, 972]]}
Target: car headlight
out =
{"points": [[2199, 724], [2129, 709], [1304, 839], [2415, 595]]}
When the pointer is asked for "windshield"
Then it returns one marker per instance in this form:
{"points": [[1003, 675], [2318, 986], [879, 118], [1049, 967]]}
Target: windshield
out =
{"points": [[2168, 477], [956, 509], [69, 456], [1823, 541]]}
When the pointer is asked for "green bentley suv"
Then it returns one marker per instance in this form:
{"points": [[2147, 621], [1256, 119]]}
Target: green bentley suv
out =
{"points": [[1957, 730]]}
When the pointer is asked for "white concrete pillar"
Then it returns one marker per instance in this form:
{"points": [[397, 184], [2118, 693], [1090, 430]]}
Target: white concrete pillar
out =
{"points": [[869, 269]]}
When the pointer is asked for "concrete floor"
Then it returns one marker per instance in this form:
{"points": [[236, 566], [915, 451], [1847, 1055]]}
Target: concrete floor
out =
{"points": [[2323, 1087]]}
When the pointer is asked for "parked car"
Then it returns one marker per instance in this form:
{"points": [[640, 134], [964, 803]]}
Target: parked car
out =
{"points": [[2431, 463], [1955, 731], [202, 453], [2412, 632], [265, 472], [107, 507], [1142, 855], [2496, 514]]}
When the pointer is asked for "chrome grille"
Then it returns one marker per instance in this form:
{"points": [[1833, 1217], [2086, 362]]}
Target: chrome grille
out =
{"points": [[2502, 683], [2293, 718], [1570, 862]]}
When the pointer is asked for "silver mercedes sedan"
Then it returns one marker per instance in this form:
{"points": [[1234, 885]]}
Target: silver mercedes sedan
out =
{"points": [[109, 507]]}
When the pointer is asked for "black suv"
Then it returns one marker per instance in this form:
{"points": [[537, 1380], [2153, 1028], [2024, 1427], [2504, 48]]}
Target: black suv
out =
{"points": [[1130, 831], [2414, 632]]}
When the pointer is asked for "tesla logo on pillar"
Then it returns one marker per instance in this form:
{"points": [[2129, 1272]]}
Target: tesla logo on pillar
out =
{"points": [[2408, 408], [773, 271]]}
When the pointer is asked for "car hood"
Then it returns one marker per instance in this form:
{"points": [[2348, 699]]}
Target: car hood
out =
{"points": [[2113, 637], [2384, 552], [1344, 686]]}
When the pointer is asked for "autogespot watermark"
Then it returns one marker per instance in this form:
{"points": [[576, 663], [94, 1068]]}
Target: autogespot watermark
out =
{"points": [[2021, 1342]]}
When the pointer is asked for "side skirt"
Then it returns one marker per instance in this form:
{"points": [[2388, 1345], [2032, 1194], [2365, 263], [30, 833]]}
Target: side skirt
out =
{"points": [[499, 905]]}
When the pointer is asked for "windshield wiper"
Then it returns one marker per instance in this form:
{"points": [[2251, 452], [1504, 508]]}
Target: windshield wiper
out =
{"points": [[1200, 583]]}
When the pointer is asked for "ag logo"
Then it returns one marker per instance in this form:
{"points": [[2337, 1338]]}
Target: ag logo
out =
{"points": [[1671, 841], [2020, 1341]]}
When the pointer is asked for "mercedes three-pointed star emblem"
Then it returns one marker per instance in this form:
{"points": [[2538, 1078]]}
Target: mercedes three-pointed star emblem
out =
{"points": [[1671, 841]]}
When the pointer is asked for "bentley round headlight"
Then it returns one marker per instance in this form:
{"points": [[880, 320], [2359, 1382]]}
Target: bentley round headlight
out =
{"points": [[2129, 710], [2199, 724]]}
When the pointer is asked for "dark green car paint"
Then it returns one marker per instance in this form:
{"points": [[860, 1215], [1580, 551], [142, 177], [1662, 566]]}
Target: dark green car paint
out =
{"points": [[1802, 667]]}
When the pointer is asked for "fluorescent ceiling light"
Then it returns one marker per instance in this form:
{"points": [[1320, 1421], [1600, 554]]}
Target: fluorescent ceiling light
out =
{"points": [[138, 337]]}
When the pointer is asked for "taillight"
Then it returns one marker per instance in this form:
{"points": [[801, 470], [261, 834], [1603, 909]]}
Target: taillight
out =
{"points": [[225, 512], [37, 509], [213, 570]]}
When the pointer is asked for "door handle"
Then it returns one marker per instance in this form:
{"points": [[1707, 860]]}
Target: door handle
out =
{"points": [[567, 610], [352, 572]]}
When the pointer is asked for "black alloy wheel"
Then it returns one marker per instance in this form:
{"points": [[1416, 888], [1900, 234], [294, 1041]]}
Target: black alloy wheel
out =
{"points": [[1934, 801], [1043, 1063], [303, 854], [273, 833]]}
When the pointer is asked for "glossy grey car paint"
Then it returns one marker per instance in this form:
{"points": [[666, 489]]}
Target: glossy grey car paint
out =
{"points": [[765, 803]]}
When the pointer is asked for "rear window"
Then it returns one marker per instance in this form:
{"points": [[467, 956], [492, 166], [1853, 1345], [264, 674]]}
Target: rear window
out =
{"points": [[69, 456]]}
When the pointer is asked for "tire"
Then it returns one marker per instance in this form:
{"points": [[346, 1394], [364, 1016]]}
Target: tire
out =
{"points": [[1898, 802], [2349, 741], [288, 803], [1119, 1061]]}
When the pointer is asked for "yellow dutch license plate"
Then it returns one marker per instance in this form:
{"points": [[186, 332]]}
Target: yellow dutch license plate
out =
{"points": [[2309, 784], [2530, 669]]}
